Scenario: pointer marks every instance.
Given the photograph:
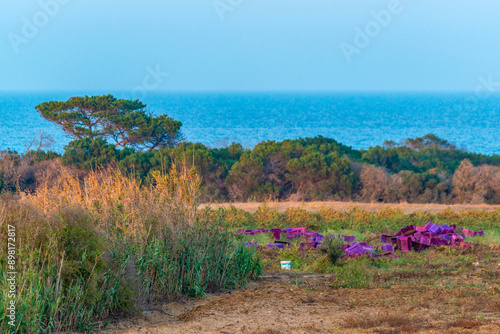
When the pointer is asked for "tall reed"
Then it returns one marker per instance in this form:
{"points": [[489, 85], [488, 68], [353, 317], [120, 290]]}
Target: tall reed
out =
{"points": [[110, 245]]}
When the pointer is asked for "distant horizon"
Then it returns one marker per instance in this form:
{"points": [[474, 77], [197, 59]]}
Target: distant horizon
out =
{"points": [[248, 91]]}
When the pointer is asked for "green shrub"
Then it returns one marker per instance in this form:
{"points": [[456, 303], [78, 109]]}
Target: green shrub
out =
{"points": [[70, 278], [195, 260], [333, 247]]}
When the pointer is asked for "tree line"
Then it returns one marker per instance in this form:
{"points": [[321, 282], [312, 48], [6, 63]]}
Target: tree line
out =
{"points": [[116, 133]]}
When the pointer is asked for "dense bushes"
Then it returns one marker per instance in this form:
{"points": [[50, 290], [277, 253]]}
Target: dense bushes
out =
{"points": [[307, 168], [405, 186], [67, 280], [421, 170], [476, 184], [423, 154], [25, 172]]}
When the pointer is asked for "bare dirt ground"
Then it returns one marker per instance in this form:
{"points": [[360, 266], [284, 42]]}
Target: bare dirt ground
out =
{"points": [[346, 206], [466, 301]]}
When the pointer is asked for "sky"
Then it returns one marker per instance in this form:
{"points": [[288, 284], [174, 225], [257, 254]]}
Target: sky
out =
{"points": [[250, 45]]}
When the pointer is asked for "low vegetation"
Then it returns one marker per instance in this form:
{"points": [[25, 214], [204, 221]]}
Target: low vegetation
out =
{"points": [[354, 220], [108, 246], [435, 267]]}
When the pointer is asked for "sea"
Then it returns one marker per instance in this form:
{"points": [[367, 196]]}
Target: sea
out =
{"points": [[217, 119]]}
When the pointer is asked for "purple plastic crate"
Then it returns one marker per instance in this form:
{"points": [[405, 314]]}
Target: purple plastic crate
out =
{"points": [[456, 239], [432, 234], [310, 234], [424, 240], [438, 242], [277, 233], [408, 230], [420, 228], [467, 233], [431, 227], [385, 238], [416, 237], [405, 244], [418, 247], [299, 230], [355, 250], [388, 248]]}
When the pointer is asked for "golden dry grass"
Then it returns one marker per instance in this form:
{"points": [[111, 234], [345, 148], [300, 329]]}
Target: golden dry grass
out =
{"points": [[346, 206], [113, 198]]}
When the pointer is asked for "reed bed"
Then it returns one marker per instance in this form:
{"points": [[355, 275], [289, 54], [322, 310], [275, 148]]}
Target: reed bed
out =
{"points": [[109, 245]]}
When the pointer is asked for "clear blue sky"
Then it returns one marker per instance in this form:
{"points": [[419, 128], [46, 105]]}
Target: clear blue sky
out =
{"points": [[259, 45]]}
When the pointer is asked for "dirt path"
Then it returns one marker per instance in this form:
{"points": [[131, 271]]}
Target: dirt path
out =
{"points": [[305, 303], [346, 206]]}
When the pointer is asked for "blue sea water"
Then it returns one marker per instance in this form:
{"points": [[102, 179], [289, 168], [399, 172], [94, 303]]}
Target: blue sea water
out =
{"points": [[359, 120]]}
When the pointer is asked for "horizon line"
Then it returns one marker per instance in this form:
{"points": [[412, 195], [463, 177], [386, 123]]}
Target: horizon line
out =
{"points": [[215, 91]]}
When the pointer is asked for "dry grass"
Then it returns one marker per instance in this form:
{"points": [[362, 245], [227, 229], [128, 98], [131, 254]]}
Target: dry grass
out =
{"points": [[169, 199], [347, 206], [466, 323], [386, 323]]}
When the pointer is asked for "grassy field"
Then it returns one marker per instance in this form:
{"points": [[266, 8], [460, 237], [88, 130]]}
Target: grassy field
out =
{"points": [[347, 206], [355, 218], [440, 290]]}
